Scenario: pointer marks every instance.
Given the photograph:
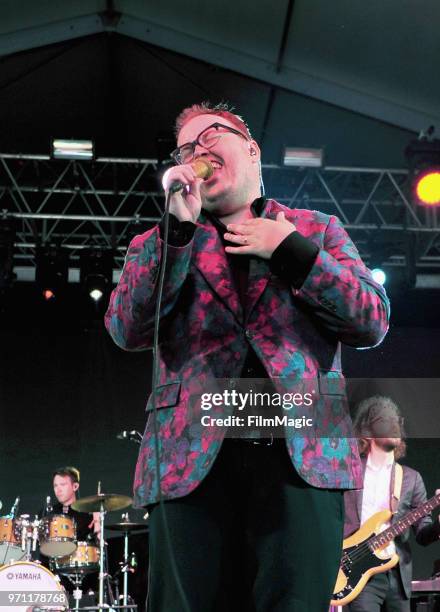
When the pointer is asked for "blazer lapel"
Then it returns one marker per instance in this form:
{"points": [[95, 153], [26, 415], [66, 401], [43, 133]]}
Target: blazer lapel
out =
{"points": [[210, 259], [212, 262]]}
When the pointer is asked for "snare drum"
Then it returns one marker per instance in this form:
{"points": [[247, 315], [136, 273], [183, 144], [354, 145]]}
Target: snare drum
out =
{"points": [[10, 540], [33, 585], [57, 535], [84, 560]]}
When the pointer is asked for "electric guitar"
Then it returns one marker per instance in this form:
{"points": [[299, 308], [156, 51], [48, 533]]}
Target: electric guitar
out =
{"points": [[363, 552]]}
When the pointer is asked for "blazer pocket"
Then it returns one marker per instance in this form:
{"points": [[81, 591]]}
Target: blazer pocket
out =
{"points": [[166, 396]]}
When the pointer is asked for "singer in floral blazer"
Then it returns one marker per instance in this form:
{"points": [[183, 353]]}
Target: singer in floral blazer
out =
{"points": [[295, 331]]}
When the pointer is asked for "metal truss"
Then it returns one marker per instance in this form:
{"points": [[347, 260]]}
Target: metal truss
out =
{"points": [[104, 203]]}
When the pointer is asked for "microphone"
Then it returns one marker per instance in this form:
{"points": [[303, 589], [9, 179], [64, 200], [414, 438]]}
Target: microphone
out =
{"points": [[15, 507], [122, 435], [48, 509], [133, 436], [203, 169]]}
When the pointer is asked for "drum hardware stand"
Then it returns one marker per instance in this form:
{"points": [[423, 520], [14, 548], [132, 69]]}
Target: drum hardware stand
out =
{"points": [[126, 563], [101, 551], [76, 579], [35, 529], [125, 567], [110, 594], [103, 503], [25, 543], [129, 563], [28, 541], [102, 573]]}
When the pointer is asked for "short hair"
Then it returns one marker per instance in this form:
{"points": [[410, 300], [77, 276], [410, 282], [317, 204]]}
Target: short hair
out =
{"points": [[369, 410], [70, 471], [222, 109]]}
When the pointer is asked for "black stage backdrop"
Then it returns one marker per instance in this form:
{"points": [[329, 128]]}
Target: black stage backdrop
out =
{"points": [[66, 391]]}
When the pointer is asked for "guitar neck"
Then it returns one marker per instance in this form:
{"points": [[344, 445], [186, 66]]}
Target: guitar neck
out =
{"points": [[404, 523]]}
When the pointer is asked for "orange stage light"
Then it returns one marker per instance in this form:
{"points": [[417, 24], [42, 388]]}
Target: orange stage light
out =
{"points": [[427, 188]]}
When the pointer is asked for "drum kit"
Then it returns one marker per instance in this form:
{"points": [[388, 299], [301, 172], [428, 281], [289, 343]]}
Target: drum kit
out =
{"points": [[56, 536]]}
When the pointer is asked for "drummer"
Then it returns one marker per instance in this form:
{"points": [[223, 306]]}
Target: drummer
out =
{"points": [[65, 482], [65, 486]]}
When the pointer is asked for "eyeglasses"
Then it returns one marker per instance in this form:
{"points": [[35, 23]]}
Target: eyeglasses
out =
{"points": [[207, 139], [384, 427], [390, 419]]}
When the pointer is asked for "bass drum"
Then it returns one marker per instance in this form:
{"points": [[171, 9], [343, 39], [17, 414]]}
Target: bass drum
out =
{"points": [[34, 586]]}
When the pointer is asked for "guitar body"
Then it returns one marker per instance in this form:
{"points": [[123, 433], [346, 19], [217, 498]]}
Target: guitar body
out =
{"points": [[359, 562]]}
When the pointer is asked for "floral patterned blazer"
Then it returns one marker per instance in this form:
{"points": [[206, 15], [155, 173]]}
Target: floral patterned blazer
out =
{"points": [[205, 335]]}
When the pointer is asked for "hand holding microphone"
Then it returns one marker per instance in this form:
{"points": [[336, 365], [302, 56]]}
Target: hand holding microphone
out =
{"points": [[183, 185]]}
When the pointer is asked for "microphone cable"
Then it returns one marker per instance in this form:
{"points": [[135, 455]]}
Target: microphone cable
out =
{"points": [[155, 380]]}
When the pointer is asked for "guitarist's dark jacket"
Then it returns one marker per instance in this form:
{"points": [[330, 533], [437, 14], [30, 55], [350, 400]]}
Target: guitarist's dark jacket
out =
{"points": [[412, 495]]}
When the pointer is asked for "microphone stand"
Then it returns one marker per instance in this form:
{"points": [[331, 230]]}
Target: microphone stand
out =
{"points": [[125, 569], [101, 552]]}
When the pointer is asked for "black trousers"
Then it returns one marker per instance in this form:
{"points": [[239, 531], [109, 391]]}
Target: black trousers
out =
{"points": [[382, 593], [253, 536]]}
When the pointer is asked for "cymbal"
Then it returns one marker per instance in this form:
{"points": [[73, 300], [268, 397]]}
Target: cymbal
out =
{"points": [[127, 526], [110, 502]]}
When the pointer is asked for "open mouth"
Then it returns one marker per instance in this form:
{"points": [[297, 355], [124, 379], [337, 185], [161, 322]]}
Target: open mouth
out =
{"points": [[217, 166]]}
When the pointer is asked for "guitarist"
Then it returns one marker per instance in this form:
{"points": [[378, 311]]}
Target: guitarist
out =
{"points": [[379, 428]]}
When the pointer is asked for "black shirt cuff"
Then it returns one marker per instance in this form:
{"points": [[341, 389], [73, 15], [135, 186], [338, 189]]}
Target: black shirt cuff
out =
{"points": [[293, 259], [180, 233]]}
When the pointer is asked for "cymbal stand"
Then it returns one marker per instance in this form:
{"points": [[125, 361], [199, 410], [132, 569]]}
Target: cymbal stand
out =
{"points": [[103, 571], [76, 579], [125, 569], [102, 574]]}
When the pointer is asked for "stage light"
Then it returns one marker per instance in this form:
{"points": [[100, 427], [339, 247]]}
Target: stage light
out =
{"points": [[7, 239], [48, 294], [52, 268], [427, 187], [392, 261], [96, 272], [379, 276], [423, 156], [96, 294], [72, 149], [303, 157]]}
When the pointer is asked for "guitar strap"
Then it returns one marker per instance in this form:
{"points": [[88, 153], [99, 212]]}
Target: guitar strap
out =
{"points": [[398, 477]]}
